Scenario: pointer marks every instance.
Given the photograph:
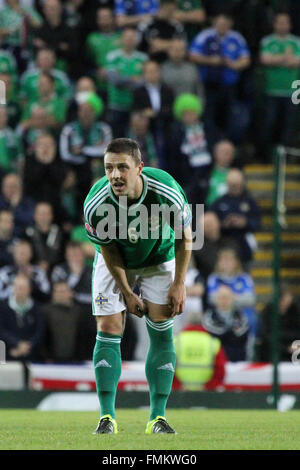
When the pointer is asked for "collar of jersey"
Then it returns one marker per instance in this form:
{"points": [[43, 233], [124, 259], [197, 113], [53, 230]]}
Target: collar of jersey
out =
{"points": [[142, 196]]}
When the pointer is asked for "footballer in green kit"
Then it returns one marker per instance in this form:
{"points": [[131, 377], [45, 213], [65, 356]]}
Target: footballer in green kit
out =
{"points": [[139, 221]]}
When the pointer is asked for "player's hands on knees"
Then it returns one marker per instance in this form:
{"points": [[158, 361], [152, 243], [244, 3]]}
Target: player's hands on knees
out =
{"points": [[135, 304], [176, 299]]}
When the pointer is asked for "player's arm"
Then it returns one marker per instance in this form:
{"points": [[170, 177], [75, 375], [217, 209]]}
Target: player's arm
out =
{"points": [[177, 294], [115, 265]]}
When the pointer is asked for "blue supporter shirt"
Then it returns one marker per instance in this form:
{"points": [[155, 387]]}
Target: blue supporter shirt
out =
{"points": [[232, 46], [136, 7]]}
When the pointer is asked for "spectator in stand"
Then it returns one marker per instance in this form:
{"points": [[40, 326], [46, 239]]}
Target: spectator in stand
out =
{"points": [[45, 62], [289, 326], [139, 131], [228, 324], [133, 12], [8, 64], [12, 101], [179, 74], [54, 107], [280, 57], [56, 34], [223, 155], [189, 158], [7, 238], [86, 85], [30, 129], [239, 214], [228, 271], [46, 166], [123, 72], [22, 256], [46, 237], [99, 43], [155, 101], [63, 323], [83, 140], [12, 198], [21, 322], [16, 23], [79, 235], [158, 32], [200, 358], [221, 54], [11, 151], [192, 15], [76, 273]]}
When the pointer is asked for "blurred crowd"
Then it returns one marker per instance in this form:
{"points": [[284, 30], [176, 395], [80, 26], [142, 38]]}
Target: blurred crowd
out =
{"points": [[204, 87]]}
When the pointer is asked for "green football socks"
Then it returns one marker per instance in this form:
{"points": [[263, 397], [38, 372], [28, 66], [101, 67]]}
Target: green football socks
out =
{"points": [[160, 365], [107, 365]]}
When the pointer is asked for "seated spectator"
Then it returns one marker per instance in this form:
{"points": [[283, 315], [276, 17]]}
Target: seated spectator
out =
{"points": [[133, 12], [22, 256], [12, 198], [280, 57], [191, 15], [46, 237], [46, 166], [223, 155], [221, 55], [76, 273], [63, 321], [179, 74], [35, 125], [8, 64], [200, 358], [54, 107], [83, 140], [21, 322], [123, 72], [229, 324], [228, 271], [7, 238], [99, 43], [155, 101], [239, 214], [45, 62], [140, 132], [11, 152], [158, 32], [189, 157], [83, 85], [289, 326]]}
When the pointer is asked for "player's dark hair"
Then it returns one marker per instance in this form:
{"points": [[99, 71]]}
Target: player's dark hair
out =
{"points": [[127, 146]]}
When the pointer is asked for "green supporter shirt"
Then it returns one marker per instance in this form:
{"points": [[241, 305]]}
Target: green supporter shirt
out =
{"points": [[217, 184], [126, 66], [278, 80], [13, 21], [10, 150], [55, 107], [29, 85], [141, 244]]}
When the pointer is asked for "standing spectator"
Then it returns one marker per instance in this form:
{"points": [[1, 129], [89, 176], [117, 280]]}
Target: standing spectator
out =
{"points": [[221, 55], [7, 238], [83, 140], [280, 57], [21, 322], [180, 74], [228, 324], [239, 214], [22, 256], [12, 198], [139, 131], [75, 272], [158, 33], [123, 71], [46, 237], [11, 152], [223, 155], [155, 101], [133, 12], [44, 165]]}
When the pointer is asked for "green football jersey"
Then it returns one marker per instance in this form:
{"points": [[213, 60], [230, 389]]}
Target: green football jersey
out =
{"points": [[144, 231], [29, 85]]}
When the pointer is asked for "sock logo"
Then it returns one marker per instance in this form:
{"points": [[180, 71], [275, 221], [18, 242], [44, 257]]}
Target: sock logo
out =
{"points": [[168, 366], [102, 363]]}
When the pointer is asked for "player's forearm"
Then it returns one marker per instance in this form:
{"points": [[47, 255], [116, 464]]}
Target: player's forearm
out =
{"points": [[116, 267], [183, 249]]}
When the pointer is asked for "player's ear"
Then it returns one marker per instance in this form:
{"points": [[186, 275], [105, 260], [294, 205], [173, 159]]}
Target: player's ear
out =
{"points": [[141, 166]]}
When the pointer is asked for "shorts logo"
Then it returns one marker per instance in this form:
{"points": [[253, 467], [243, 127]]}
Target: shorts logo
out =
{"points": [[100, 300], [168, 366], [90, 229]]}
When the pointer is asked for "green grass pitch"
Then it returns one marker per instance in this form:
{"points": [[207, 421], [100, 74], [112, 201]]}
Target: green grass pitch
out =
{"points": [[197, 429]]}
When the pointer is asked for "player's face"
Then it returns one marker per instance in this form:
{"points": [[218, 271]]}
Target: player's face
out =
{"points": [[123, 174]]}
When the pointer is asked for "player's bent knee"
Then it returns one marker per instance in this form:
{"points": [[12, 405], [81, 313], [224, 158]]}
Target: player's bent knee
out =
{"points": [[112, 324]]}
